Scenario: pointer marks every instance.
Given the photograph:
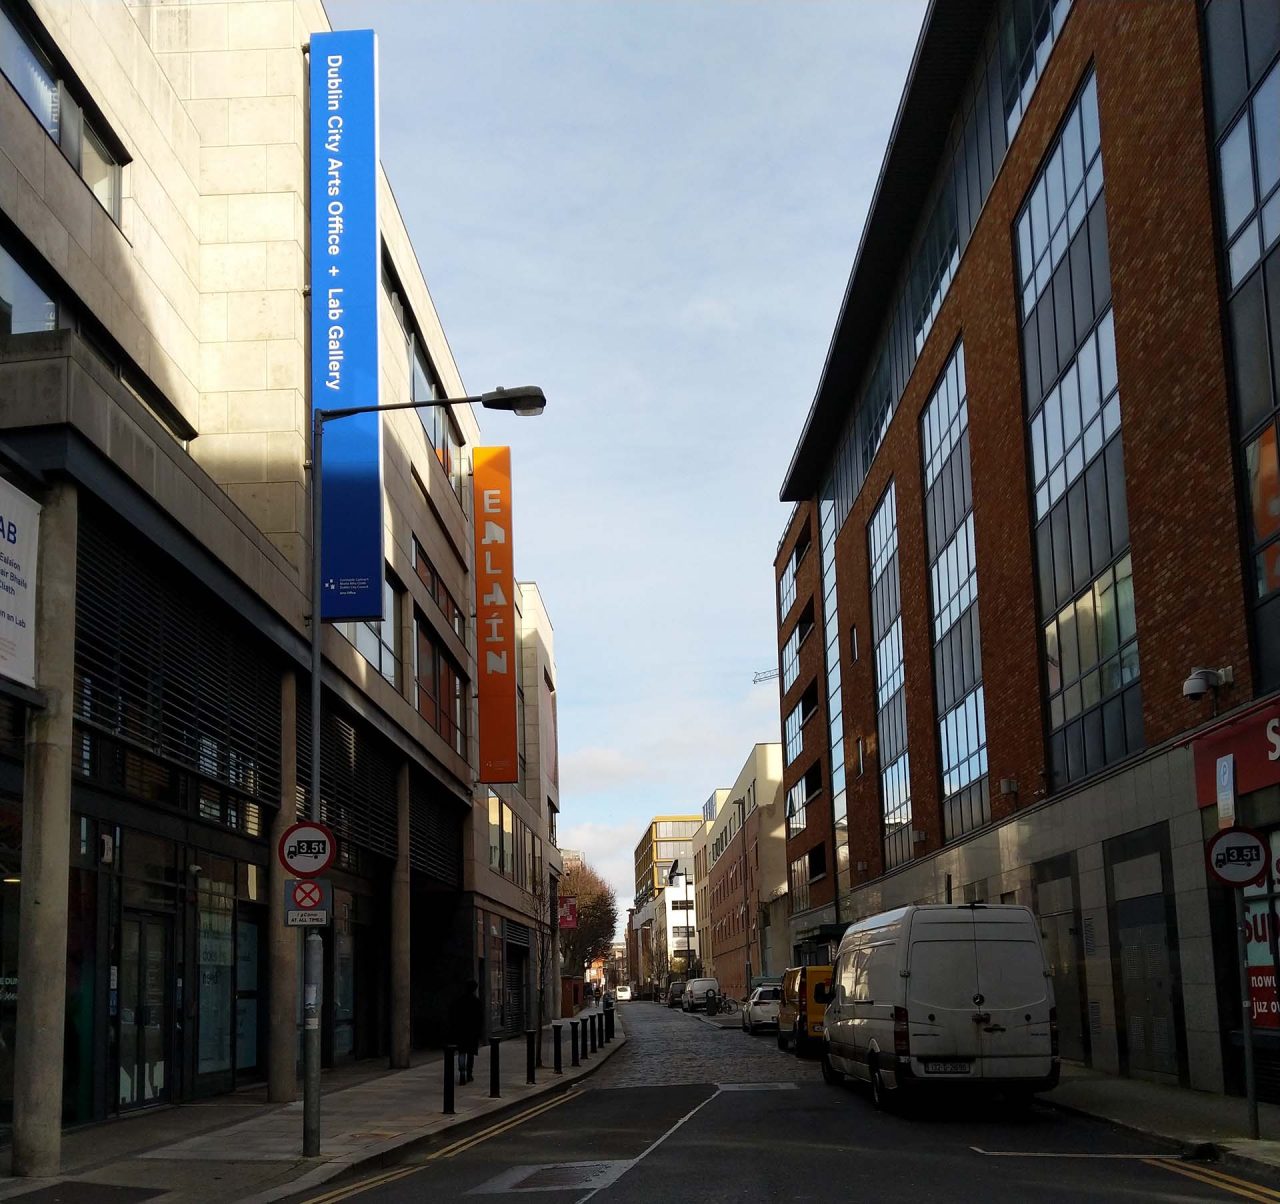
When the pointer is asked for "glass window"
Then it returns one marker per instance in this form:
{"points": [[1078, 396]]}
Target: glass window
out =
{"points": [[30, 73], [24, 306], [1060, 197]]}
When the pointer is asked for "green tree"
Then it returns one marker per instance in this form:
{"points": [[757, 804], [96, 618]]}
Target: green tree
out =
{"points": [[597, 918]]}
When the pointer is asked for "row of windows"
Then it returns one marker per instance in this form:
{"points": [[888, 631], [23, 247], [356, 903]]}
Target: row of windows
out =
{"points": [[442, 696], [514, 851], [1067, 185], [1089, 638], [25, 307], [1243, 41], [954, 592], [424, 385], [1079, 292], [1249, 174], [1091, 645], [32, 75], [787, 582], [675, 829], [791, 649], [798, 799], [793, 728], [891, 707], [379, 641], [1081, 412], [453, 613]]}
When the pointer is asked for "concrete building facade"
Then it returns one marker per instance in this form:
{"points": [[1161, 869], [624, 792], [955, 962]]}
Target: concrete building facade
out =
{"points": [[1064, 399], [154, 400]]}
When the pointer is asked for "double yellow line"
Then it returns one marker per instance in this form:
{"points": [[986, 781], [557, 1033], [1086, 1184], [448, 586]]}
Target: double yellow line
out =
{"points": [[1219, 1179], [458, 1147]]}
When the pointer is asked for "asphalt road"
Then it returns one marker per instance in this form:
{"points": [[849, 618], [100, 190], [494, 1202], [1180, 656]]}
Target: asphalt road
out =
{"points": [[686, 1111]]}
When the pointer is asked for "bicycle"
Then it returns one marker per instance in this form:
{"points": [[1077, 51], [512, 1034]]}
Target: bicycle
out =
{"points": [[729, 1006]]}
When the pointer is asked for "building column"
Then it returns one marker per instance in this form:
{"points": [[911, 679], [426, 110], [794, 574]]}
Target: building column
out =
{"points": [[401, 1035], [46, 840], [282, 942]]}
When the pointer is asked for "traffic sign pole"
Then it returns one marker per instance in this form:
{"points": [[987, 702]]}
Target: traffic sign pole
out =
{"points": [[1242, 942], [1237, 858]]}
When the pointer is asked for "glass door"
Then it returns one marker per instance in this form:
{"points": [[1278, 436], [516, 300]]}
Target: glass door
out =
{"points": [[146, 961]]}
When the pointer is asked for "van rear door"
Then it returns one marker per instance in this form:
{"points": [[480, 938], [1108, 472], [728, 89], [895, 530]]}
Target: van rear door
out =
{"points": [[942, 982], [1017, 996]]}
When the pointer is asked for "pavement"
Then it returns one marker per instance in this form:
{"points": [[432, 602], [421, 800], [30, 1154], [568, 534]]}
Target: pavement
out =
{"points": [[663, 1069], [239, 1147], [690, 1106]]}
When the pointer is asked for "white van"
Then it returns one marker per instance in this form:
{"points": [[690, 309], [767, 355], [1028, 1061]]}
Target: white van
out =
{"points": [[942, 994], [695, 994]]}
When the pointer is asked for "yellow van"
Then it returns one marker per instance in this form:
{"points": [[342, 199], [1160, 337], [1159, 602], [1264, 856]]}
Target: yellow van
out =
{"points": [[800, 1016]]}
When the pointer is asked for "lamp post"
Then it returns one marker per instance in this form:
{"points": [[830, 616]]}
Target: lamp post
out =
{"points": [[527, 401]]}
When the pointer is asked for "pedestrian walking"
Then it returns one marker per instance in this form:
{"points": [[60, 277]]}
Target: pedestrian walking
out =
{"points": [[466, 1020]]}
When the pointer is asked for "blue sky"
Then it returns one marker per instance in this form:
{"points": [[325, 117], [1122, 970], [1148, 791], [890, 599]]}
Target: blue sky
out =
{"points": [[650, 209]]}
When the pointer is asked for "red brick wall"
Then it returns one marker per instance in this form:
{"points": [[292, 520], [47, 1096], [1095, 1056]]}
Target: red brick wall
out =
{"points": [[729, 941], [812, 670], [1178, 456]]}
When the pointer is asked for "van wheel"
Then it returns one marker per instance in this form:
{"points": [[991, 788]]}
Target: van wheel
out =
{"points": [[798, 1041], [830, 1074], [879, 1094], [782, 1041]]}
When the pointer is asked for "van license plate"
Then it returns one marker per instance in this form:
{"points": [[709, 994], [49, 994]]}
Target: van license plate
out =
{"points": [[947, 1067]]}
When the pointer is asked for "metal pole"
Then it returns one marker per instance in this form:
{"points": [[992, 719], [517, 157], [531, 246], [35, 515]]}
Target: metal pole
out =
{"points": [[531, 1055], [595, 1032], [313, 966], [573, 1043], [1242, 947], [449, 1051], [557, 1048], [586, 1053], [495, 1083]]}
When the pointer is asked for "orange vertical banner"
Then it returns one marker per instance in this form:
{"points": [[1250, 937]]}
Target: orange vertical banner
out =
{"points": [[495, 614]]}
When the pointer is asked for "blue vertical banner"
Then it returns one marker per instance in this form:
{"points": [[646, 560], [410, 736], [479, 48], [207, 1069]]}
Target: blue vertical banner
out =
{"points": [[345, 282]]}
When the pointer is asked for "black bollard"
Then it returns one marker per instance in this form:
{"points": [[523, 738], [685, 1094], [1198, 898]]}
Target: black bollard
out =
{"points": [[591, 1030], [586, 1050], [573, 1043], [449, 1054], [608, 1025], [531, 1054], [495, 1091], [557, 1061]]}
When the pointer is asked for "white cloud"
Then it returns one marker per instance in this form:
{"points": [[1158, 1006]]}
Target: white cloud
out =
{"points": [[610, 850]]}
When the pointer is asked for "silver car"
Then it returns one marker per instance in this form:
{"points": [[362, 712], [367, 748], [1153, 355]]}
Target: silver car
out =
{"points": [[761, 1009]]}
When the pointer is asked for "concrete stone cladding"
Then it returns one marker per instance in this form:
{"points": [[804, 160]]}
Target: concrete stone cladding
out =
{"points": [[812, 672], [1181, 492]]}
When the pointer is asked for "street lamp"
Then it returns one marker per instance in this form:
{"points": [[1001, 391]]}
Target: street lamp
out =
{"points": [[526, 401]]}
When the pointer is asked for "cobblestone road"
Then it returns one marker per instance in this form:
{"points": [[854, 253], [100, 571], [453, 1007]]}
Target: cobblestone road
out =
{"points": [[665, 1047]]}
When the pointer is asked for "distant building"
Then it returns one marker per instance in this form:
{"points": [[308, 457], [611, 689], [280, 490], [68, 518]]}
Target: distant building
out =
{"points": [[572, 859], [667, 838]]}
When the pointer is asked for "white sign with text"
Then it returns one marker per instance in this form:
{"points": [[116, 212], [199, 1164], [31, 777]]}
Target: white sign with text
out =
{"points": [[19, 538]]}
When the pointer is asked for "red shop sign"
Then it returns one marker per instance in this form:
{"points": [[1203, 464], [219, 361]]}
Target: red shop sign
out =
{"points": [[1254, 741]]}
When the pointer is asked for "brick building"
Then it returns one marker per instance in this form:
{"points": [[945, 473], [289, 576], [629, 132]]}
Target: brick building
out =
{"points": [[1042, 438]]}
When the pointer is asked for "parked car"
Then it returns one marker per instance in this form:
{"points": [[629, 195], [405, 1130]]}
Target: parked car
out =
{"points": [[800, 1016], [695, 994], [675, 992], [761, 1009], [624, 994], [942, 995]]}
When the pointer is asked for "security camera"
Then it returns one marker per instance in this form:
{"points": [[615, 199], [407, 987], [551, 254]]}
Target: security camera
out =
{"points": [[1199, 682]]}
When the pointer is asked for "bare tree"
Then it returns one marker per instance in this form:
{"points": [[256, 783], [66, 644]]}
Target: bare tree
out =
{"points": [[546, 924]]}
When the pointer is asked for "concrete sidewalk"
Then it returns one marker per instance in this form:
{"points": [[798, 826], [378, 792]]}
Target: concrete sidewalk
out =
{"points": [[240, 1148], [1199, 1122]]}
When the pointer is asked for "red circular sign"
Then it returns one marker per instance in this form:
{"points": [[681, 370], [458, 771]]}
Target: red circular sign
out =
{"points": [[307, 849], [307, 895], [1236, 857]]}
